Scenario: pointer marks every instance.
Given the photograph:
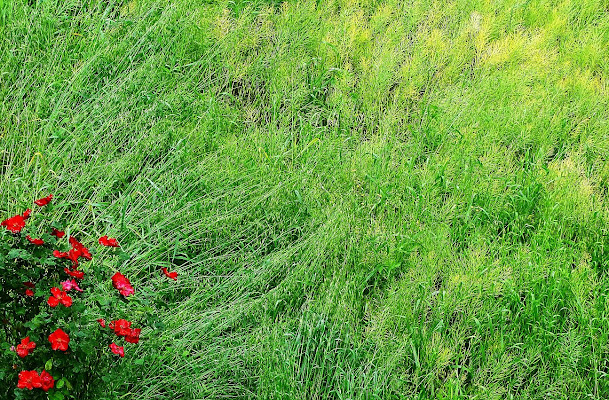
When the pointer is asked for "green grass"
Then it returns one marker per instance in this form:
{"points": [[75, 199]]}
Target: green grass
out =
{"points": [[364, 199]]}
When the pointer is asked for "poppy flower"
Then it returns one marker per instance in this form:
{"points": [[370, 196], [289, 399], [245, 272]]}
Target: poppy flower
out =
{"points": [[74, 274], [44, 201], [25, 347], [59, 234], [122, 284], [37, 242], [29, 292], [30, 285], [172, 275], [46, 381], [109, 242], [29, 380], [68, 285], [59, 340], [59, 296], [120, 350], [121, 327], [17, 223], [133, 336], [102, 322]]}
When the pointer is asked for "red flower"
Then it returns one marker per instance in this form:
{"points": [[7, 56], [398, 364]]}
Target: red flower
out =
{"points": [[79, 250], [22, 351], [29, 380], [133, 336], [44, 201], [17, 223], [73, 255], [59, 340], [30, 285], [121, 327], [109, 242], [120, 350], [46, 381], [29, 292], [172, 275], [86, 254], [122, 284], [102, 322], [25, 347], [59, 296], [60, 254], [58, 233], [37, 242], [68, 285], [74, 274]]}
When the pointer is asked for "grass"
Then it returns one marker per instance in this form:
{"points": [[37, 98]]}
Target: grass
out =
{"points": [[364, 199]]}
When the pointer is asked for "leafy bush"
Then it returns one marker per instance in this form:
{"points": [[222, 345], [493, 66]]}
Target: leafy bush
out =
{"points": [[55, 337]]}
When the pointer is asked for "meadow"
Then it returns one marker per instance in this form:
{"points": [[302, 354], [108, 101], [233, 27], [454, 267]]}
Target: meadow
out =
{"points": [[364, 199]]}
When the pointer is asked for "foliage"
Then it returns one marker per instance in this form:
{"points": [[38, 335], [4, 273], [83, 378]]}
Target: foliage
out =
{"points": [[51, 342], [364, 199]]}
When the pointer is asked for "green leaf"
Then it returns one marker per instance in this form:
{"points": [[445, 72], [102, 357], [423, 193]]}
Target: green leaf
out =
{"points": [[60, 383], [19, 253], [56, 396], [48, 365]]}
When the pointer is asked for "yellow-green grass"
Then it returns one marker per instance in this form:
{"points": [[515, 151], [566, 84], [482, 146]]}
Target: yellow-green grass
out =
{"points": [[363, 199]]}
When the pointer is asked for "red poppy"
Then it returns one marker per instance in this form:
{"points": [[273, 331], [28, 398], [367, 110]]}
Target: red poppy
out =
{"points": [[122, 284], [59, 340], [133, 336], [121, 327], [29, 292], [29, 380], [120, 350], [37, 242], [25, 347], [58, 233], [109, 242], [74, 274], [59, 296], [172, 275], [30, 285], [46, 381], [102, 322], [44, 201], [17, 223]]}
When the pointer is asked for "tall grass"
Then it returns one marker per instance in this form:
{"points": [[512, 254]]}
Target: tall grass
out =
{"points": [[363, 199]]}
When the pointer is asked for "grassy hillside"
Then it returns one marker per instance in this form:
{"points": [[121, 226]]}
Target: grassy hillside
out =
{"points": [[364, 199]]}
